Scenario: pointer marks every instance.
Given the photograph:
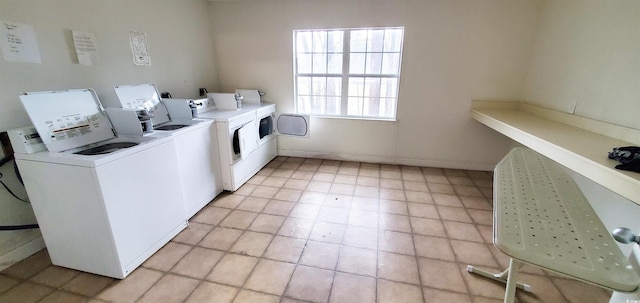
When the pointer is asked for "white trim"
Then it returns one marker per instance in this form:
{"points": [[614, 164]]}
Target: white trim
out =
{"points": [[346, 76], [21, 252], [388, 160]]}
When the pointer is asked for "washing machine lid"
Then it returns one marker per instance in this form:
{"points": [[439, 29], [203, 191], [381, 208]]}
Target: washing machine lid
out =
{"points": [[67, 119], [143, 96]]}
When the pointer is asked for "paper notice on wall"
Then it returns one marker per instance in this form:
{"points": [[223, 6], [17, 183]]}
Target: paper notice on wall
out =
{"points": [[85, 45], [139, 48], [18, 42]]}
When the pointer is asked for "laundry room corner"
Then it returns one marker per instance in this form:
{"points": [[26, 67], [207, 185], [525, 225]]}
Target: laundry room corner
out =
{"points": [[181, 61]]}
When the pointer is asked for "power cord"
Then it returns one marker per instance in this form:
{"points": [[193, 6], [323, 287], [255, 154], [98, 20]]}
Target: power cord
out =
{"points": [[18, 227], [9, 190], [14, 227]]}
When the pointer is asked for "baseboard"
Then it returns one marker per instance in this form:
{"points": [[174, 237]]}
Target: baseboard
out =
{"points": [[388, 160], [22, 252]]}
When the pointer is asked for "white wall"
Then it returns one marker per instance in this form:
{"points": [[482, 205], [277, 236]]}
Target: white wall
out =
{"points": [[15, 245], [180, 45], [178, 35], [454, 51], [588, 52]]}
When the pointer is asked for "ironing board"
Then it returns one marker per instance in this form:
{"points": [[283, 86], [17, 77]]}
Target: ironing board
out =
{"points": [[540, 217]]}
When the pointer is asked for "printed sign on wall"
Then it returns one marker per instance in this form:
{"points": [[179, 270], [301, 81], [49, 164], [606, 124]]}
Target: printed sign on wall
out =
{"points": [[18, 42], [139, 48], [85, 45]]}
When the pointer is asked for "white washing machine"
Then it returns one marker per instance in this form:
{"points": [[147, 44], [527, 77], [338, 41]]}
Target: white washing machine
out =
{"points": [[199, 164], [104, 203], [196, 142]]}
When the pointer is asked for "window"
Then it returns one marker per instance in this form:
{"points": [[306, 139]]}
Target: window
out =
{"points": [[348, 72]]}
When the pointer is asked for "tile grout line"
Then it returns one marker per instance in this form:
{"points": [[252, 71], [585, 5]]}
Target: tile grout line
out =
{"points": [[307, 238]]}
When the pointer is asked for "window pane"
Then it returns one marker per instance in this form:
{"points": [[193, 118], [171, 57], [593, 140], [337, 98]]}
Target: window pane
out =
{"points": [[318, 104], [392, 40], [375, 40], [319, 86], [356, 63], [304, 63], [372, 87], [354, 106], [358, 41], [371, 107], [356, 87], [303, 42], [319, 63], [390, 63], [304, 86], [387, 108], [334, 41], [335, 64], [319, 41], [389, 87], [333, 105], [304, 104], [374, 63], [334, 86]]}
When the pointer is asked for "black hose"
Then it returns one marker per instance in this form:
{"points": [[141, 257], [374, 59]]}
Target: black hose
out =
{"points": [[18, 227], [11, 192], [14, 227]]}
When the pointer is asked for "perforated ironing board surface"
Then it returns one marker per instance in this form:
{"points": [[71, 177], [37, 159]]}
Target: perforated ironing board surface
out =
{"points": [[541, 217]]}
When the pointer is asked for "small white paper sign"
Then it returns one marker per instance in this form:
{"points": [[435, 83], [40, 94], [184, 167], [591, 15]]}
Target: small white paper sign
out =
{"points": [[85, 45], [139, 48], [18, 42]]}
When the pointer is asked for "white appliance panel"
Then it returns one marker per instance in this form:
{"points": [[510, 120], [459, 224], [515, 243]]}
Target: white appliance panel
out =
{"points": [[243, 170], [67, 119], [199, 165], [248, 139], [106, 219], [77, 235], [250, 96], [143, 204], [143, 96]]}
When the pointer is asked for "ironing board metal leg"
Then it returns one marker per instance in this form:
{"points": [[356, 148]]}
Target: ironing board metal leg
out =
{"points": [[499, 277], [512, 281]]}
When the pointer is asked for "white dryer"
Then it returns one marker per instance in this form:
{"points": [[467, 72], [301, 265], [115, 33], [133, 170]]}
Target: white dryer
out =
{"points": [[104, 203], [248, 138], [238, 141], [196, 142]]}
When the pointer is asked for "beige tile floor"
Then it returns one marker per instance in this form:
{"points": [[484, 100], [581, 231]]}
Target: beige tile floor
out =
{"points": [[309, 230]]}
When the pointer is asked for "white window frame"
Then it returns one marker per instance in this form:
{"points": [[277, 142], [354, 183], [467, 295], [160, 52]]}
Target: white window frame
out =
{"points": [[345, 76]]}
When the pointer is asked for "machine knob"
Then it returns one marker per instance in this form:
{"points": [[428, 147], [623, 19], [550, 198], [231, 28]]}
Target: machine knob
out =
{"points": [[625, 235]]}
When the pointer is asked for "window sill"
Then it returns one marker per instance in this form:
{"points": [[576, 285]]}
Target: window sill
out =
{"points": [[352, 118]]}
